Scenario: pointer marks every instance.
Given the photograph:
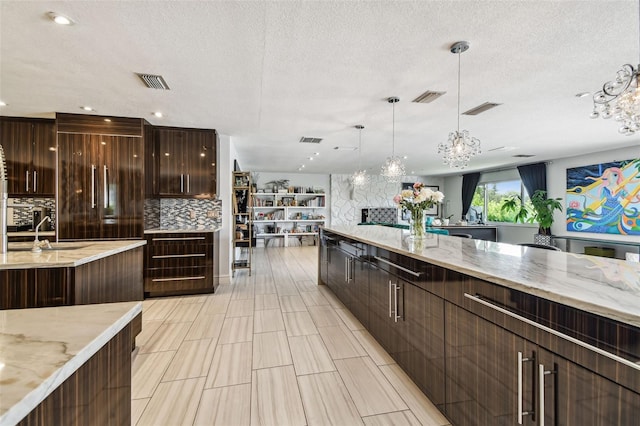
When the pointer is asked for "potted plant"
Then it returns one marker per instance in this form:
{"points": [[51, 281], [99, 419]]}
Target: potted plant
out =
{"points": [[540, 211]]}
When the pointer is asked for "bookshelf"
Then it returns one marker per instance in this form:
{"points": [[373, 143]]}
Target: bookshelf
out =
{"points": [[243, 235], [288, 215]]}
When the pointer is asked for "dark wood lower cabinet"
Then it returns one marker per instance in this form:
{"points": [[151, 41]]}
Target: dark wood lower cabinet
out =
{"points": [[179, 263], [116, 278], [491, 363], [98, 393]]}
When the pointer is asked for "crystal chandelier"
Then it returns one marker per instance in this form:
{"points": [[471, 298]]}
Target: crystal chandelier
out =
{"points": [[461, 146], [393, 169], [360, 177], [620, 99]]}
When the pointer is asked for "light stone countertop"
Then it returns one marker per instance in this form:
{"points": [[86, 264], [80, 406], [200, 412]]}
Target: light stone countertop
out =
{"points": [[179, 230], [65, 254], [41, 348], [604, 286]]}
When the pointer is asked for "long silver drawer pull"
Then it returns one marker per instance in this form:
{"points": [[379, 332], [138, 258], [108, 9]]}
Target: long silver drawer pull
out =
{"points": [[93, 186], [541, 373], [179, 239], [396, 317], [26, 184], [181, 183], [35, 181], [521, 413], [188, 183], [402, 268], [346, 270], [178, 279], [390, 308], [169, 256], [555, 333]]}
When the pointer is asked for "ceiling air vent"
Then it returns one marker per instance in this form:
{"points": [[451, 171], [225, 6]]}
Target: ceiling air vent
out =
{"points": [[524, 155], [427, 97], [305, 139], [154, 81], [481, 108]]}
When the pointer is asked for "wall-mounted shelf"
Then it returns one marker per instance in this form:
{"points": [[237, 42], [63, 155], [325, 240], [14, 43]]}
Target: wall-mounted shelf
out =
{"points": [[243, 236]]}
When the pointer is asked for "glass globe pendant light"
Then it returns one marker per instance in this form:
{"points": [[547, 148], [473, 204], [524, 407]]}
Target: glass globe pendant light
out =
{"points": [[461, 146], [393, 169], [360, 177]]}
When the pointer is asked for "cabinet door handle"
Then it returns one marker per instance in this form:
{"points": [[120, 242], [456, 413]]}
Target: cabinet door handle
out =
{"points": [[390, 296], [35, 181], [178, 239], [521, 413], [396, 289], [188, 182], [26, 184], [541, 373], [200, 277], [402, 268], [181, 183], [105, 172], [478, 299], [93, 186]]}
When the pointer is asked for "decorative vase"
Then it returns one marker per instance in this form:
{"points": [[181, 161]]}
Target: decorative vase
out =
{"points": [[416, 224]]}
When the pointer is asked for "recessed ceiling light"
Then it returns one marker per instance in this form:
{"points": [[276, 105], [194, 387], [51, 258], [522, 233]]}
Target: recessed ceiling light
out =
{"points": [[302, 166], [87, 108], [108, 120], [2, 103], [299, 168], [157, 114], [582, 94], [404, 157], [316, 153], [60, 19], [310, 158]]}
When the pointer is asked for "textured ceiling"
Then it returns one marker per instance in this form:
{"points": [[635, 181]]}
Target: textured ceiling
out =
{"points": [[268, 73]]}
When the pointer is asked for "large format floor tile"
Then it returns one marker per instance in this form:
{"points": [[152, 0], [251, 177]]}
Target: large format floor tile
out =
{"points": [[272, 348]]}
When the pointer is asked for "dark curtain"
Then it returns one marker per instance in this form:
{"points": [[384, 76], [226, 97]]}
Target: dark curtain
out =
{"points": [[469, 184], [534, 177]]}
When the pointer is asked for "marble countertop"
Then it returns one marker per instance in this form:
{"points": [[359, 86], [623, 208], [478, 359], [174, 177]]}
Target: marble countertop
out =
{"points": [[41, 348], [66, 254], [604, 286], [179, 230]]}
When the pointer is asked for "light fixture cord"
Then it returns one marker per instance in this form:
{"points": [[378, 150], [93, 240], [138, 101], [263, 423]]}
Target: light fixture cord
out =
{"points": [[360, 149], [459, 54], [393, 129]]}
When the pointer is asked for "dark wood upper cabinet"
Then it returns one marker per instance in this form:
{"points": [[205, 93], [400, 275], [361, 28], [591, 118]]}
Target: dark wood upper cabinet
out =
{"points": [[186, 162], [30, 148], [101, 179]]}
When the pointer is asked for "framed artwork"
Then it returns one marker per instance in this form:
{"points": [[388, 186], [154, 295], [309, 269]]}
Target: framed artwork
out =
{"points": [[433, 211], [604, 198]]}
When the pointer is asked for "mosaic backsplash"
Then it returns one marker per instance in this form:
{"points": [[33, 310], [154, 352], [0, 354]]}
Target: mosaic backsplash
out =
{"points": [[180, 213], [23, 209]]}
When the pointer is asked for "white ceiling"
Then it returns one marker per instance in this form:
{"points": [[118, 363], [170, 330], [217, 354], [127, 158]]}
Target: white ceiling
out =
{"points": [[268, 73]]}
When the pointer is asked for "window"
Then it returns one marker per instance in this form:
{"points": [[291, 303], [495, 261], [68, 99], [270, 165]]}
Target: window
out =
{"points": [[488, 198]]}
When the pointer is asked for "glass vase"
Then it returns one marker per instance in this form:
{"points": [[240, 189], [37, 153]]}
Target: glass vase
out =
{"points": [[416, 225]]}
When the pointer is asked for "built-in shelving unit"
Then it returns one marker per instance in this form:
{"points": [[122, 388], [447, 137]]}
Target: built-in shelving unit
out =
{"points": [[243, 236], [288, 215]]}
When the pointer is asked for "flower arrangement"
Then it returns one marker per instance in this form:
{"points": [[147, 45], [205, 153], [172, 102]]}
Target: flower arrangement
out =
{"points": [[417, 200]]}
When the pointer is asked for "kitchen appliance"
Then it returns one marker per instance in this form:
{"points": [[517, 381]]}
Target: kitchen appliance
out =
{"points": [[39, 213], [4, 199]]}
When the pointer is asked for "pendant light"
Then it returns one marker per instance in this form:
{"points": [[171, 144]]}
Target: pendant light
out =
{"points": [[620, 98], [393, 169], [360, 177], [460, 146]]}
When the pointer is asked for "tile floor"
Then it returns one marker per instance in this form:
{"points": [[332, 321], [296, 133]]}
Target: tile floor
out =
{"points": [[272, 348]]}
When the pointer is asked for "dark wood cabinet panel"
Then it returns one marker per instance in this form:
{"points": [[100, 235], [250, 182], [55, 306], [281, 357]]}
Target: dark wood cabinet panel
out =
{"points": [[99, 125], [116, 278], [100, 186], [180, 263], [30, 148], [186, 162]]}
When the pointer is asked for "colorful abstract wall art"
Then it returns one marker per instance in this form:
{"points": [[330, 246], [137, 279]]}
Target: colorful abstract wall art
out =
{"points": [[604, 198]]}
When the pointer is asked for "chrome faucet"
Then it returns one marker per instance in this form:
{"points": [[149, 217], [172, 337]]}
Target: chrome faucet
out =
{"points": [[37, 244]]}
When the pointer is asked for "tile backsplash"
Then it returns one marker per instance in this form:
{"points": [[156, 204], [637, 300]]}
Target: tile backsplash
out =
{"points": [[23, 209], [181, 213]]}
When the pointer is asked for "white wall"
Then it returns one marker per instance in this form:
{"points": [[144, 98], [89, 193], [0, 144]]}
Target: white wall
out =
{"points": [[226, 155], [556, 187], [347, 202]]}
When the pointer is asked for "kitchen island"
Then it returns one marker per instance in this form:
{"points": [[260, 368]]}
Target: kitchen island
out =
{"points": [[67, 365], [495, 333], [71, 273]]}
